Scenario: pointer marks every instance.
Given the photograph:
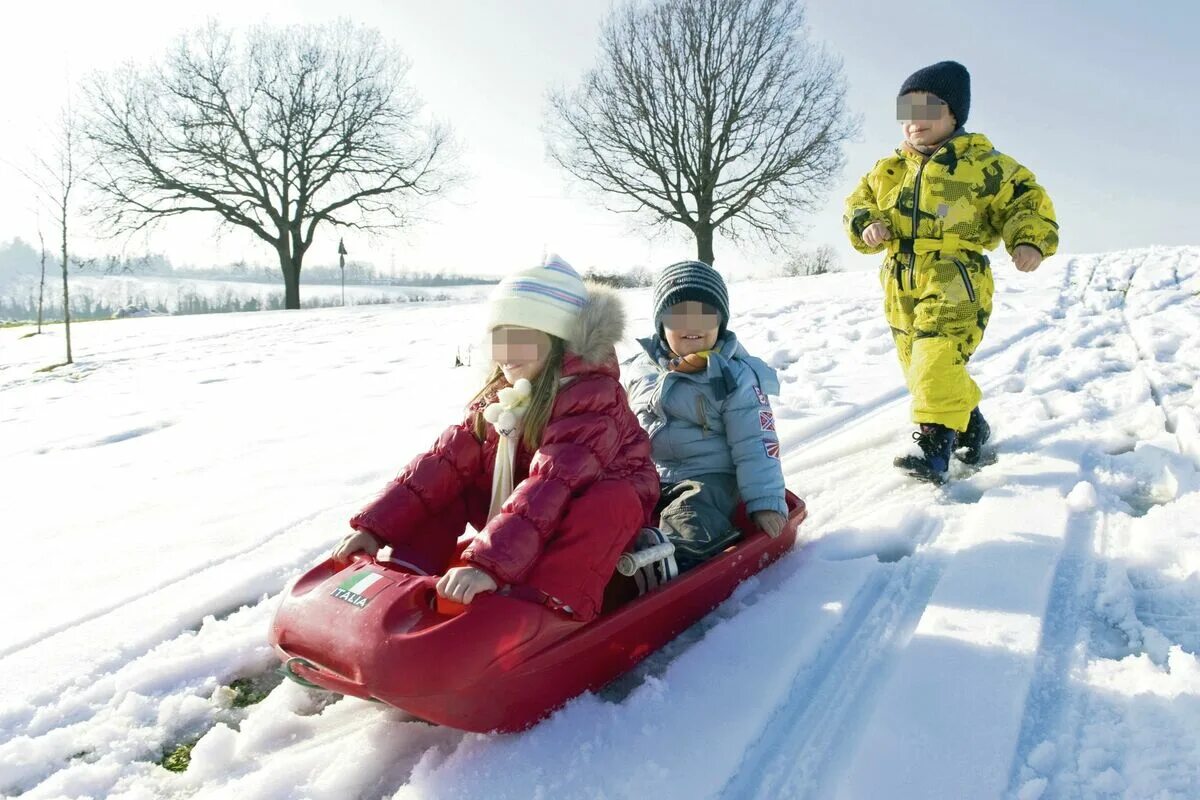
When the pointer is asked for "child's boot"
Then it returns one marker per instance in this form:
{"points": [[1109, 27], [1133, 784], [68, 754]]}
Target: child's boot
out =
{"points": [[974, 438], [937, 446]]}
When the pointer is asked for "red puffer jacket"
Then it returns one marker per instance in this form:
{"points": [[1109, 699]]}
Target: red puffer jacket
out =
{"points": [[576, 503]]}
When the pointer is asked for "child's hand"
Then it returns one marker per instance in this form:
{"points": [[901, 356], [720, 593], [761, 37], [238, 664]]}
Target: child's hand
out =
{"points": [[876, 233], [771, 522], [1026, 257], [358, 540], [461, 584]]}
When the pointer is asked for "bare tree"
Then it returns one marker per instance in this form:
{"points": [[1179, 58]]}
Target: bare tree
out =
{"points": [[42, 285], [276, 132], [819, 261], [57, 173], [713, 114]]}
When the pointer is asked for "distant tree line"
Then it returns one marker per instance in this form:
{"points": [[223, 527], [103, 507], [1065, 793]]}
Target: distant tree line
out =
{"points": [[19, 258], [636, 278], [87, 306], [817, 261]]}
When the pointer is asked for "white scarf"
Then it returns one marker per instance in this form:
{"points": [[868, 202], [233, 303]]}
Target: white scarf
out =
{"points": [[505, 416]]}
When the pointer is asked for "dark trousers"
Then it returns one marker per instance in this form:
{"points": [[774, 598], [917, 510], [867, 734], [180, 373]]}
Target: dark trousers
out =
{"points": [[696, 515]]}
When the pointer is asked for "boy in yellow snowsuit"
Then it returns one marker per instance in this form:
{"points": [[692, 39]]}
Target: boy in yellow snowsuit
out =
{"points": [[937, 205]]}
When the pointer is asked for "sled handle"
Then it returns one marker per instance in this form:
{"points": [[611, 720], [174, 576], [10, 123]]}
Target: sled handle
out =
{"points": [[330, 681], [357, 557], [290, 671]]}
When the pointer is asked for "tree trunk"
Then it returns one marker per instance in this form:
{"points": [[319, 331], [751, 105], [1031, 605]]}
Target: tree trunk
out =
{"points": [[42, 288], [290, 265], [66, 293], [704, 242]]}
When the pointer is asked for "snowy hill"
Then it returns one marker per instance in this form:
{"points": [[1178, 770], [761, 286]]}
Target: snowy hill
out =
{"points": [[1029, 631]]}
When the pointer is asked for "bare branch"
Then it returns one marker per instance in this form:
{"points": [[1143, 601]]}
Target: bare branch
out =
{"points": [[706, 113]]}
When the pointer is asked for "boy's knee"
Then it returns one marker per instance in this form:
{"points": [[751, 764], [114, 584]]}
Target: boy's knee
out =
{"points": [[701, 509]]}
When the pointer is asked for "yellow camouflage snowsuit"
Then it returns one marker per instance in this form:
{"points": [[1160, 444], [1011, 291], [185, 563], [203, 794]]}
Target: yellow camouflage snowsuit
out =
{"points": [[936, 279]]}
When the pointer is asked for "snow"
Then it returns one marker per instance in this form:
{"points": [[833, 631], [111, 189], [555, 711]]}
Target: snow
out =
{"points": [[1031, 630]]}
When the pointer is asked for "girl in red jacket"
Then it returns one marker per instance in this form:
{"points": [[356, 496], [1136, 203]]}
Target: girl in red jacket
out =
{"points": [[550, 464]]}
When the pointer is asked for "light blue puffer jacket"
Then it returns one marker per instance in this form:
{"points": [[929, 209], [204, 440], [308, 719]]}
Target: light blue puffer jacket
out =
{"points": [[717, 421]]}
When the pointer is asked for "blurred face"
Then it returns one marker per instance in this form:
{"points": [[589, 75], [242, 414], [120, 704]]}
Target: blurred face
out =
{"points": [[520, 352], [925, 119], [691, 327]]}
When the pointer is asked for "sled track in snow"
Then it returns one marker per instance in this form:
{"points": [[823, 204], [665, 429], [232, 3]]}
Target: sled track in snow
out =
{"points": [[1156, 392], [793, 756], [1062, 630]]}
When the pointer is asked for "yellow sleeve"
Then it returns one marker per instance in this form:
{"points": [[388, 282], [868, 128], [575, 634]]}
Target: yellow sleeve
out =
{"points": [[861, 211], [1022, 212]]}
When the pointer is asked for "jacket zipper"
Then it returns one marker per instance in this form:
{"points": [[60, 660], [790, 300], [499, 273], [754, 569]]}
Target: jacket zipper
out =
{"points": [[912, 265], [966, 279], [656, 405], [702, 413]]}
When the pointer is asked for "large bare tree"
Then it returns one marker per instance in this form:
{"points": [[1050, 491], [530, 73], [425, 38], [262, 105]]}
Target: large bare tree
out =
{"points": [[277, 131], [713, 114]]}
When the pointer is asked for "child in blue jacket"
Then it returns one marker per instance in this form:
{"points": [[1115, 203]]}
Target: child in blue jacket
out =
{"points": [[703, 400]]}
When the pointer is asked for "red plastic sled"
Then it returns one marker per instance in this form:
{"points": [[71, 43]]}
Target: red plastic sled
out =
{"points": [[504, 663]]}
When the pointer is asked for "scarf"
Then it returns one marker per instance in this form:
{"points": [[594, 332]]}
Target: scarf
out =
{"points": [[505, 416], [694, 363], [689, 364]]}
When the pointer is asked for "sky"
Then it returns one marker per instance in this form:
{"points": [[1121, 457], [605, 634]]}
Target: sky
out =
{"points": [[1097, 99]]}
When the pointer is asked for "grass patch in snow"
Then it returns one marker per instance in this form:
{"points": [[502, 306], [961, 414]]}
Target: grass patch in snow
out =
{"points": [[239, 694], [252, 690], [177, 760]]}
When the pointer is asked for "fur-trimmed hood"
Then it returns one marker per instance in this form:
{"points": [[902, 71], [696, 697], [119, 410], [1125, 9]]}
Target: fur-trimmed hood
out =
{"points": [[601, 325]]}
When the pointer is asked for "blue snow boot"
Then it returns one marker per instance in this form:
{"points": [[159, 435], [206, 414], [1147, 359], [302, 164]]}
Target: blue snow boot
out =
{"points": [[937, 446], [974, 438]]}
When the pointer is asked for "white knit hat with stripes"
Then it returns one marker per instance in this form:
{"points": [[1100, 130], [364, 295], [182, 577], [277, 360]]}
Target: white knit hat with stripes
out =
{"points": [[547, 298]]}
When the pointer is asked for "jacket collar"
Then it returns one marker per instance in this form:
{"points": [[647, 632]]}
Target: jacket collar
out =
{"points": [[960, 142], [727, 347], [719, 374]]}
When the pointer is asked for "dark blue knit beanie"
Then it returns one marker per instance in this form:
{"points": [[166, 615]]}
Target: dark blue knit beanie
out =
{"points": [[950, 81]]}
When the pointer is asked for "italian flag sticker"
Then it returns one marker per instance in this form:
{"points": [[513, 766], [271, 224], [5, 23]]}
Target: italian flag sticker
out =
{"points": [[360, 588]]}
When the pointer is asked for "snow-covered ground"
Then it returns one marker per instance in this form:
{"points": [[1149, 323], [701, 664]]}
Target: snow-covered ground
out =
{"points": [[1029, 631]]}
